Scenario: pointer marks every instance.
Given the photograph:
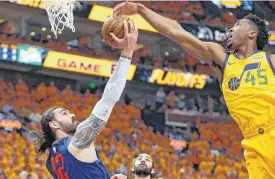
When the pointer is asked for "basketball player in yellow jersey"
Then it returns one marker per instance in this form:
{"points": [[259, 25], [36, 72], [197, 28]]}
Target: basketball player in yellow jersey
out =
{"points": [[246, 74]]}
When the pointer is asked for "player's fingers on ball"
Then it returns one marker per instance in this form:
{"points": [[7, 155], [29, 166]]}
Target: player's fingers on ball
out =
{"points": [[132, 27], [126, 29], [114, 37], [136, 30]]}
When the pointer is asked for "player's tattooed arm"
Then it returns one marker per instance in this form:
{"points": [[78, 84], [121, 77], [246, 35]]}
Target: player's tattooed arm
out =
{"points": [[87, 131]]}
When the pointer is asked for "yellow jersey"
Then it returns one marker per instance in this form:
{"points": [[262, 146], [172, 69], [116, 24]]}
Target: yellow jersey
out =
{"points": [[248, 87]]}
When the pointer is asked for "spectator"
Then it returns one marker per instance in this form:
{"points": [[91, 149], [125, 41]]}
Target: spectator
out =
{"points": [[160, 97], [52, 90], [180, 101], [171, 99], [210, 104], [7, 108]]}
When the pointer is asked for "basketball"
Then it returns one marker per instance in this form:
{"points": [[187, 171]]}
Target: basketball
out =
{"points": [[113, 25]]}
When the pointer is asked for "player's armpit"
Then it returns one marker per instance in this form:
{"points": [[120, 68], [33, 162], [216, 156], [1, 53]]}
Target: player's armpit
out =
{"points": [[87, 131]]}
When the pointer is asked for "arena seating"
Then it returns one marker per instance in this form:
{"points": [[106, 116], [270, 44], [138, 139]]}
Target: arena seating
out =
{"points": [[216, 149]]}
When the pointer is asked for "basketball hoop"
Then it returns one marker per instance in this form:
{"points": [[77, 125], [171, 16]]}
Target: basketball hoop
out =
{"points": [[60, 14]]}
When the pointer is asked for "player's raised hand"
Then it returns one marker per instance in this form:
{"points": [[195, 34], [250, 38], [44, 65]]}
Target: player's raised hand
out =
{"points": [[130, 37], [119, 176], [125, 8]]}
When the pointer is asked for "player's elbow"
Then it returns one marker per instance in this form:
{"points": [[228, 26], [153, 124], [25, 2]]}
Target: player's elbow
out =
{"points": [[173, 32]]}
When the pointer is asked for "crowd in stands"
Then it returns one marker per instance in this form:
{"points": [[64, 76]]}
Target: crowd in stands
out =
{"points": [[199, 12], [190, 104], [214, 151]]}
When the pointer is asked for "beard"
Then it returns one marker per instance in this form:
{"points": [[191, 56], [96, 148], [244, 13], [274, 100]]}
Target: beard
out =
{"points": [[70, 129], [143, 172]]}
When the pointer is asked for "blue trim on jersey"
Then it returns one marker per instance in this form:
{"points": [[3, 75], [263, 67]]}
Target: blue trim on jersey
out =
{"points": [[224, 65], [235, 54], [270, 62], [225, 60]]}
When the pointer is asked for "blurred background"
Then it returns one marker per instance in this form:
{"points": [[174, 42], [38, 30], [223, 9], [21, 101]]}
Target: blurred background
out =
{"points": [[172, 101]]}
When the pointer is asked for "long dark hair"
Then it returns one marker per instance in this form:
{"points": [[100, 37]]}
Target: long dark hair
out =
{"points": [[46, 137]]}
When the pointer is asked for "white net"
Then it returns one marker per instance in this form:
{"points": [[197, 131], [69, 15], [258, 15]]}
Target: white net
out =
{"points": [[60, 14]]}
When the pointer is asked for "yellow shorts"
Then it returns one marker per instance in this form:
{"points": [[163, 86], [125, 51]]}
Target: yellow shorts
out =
{"points": [[259, 152]]}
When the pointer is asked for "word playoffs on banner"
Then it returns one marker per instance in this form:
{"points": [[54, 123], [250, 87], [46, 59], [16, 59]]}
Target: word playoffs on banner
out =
{"points": [[171, 78]]}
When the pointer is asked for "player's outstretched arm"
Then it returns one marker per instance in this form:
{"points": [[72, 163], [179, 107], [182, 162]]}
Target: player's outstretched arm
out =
{"points": [[88, 130], [207, 51]]}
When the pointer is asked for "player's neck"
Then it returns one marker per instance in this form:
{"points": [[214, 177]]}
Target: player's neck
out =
{"points": [[246, 51], [61, 134], [139, 177]]}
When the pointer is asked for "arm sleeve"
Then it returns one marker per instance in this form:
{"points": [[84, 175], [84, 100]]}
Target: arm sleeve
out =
{"points": [[113, 90]]}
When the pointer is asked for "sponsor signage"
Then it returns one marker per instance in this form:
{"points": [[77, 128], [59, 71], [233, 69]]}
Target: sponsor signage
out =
{"points": [[8, 52], [7, 123], [101, 13], [30, 3], [80, 64], [30, 55]]}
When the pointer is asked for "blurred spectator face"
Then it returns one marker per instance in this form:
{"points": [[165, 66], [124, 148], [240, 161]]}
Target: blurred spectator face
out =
{"points": [[52, 83], [64, 121], [68, 86], [87, 91], [195, 136], [82, 41], [20, 81], [10, 85], [143, 165]]}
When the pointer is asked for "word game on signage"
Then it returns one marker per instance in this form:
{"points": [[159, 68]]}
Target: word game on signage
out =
{"points": [[80, 64]]}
